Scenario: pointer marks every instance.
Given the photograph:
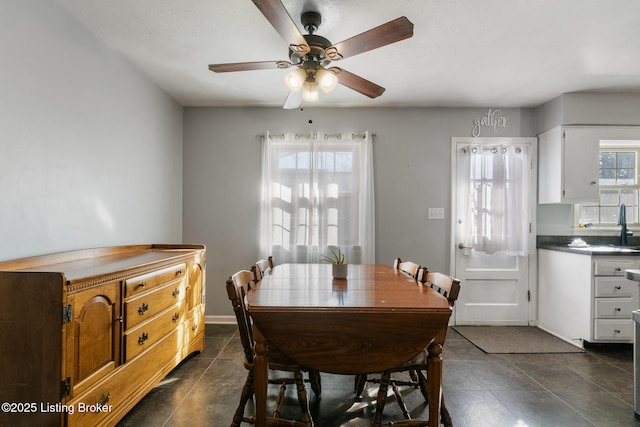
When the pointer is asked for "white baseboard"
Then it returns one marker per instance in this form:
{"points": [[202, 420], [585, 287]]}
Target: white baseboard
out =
{"points": [[220, 320]]}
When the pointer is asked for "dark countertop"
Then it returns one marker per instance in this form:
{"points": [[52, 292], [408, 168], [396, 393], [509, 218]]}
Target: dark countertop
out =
{"points": [[596, 245], [594, 249]]}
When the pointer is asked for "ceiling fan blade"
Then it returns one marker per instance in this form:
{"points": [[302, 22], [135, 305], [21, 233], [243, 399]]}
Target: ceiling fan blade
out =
{"points": [[358, 83], [280, 19], [293, 101], [391, 32], [247, 66]]}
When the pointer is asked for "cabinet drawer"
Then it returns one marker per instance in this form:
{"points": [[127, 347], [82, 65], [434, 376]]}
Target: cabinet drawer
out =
{"points": [[613, 330], [614, 307], [139, 284], [614, 267], [616, 287], [144, 307], [147, 334]]}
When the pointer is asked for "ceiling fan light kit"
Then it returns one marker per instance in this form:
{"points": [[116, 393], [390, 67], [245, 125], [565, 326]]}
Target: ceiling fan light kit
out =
{"points": [[311, 55], [310, 91], [295, 79]]}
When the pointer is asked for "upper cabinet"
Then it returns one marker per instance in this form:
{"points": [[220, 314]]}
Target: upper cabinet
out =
{"points": [[568, 164], [568, 160]]}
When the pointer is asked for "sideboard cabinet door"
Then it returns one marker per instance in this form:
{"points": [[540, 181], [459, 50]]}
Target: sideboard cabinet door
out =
{"points": [[93, 343]]}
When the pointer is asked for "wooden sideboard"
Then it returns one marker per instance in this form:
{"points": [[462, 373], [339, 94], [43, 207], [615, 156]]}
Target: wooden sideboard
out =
{"points": [[84, 335]]}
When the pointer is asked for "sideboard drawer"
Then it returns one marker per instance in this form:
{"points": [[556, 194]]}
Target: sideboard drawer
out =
{"points": [[137, 285], [144, 336], [140, 309]]}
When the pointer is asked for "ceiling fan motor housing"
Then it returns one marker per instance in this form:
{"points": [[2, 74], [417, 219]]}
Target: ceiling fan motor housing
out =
{"points": [[311, 20]]}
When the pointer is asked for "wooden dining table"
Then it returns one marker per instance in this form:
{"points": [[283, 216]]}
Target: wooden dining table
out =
{"points": [[376, 319]]}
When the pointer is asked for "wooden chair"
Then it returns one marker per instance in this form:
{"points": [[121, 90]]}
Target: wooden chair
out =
{"points": [[237, 287], [260, 268], [450, 288], [408, 267]]}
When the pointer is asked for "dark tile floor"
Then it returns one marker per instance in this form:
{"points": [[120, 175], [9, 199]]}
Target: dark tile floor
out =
{"points": [[594, 388]]}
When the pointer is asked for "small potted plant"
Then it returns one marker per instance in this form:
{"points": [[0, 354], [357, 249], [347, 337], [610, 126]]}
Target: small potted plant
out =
{"points": [[338, 264]]}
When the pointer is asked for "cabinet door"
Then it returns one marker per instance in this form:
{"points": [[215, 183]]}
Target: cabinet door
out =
{"points": [[94, 334], [196, 284], [580, 169]]}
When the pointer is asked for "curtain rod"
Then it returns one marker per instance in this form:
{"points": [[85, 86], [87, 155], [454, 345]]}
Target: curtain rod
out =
{"points": [[326, 136]]}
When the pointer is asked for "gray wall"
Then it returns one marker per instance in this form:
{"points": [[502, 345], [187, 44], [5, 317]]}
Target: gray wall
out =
{"points": [[412, 155], [91, 150]]}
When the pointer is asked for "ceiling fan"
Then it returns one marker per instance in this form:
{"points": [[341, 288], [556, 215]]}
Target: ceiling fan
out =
{"points": [[311, 55]]}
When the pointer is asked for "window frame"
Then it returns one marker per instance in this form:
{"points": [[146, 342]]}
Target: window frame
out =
{"points": [[633, 210]]}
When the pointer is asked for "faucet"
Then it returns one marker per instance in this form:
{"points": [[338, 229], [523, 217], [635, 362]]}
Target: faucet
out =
{"points": [[622, 221]]}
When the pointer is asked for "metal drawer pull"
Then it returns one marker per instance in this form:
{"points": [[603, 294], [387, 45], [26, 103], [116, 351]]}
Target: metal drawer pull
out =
{"points": [[143, 338], [179, 272], [176, 293], [142, 284], [617, 309], [617, 331], [618, 269], [143, 308], [175, 317], [618, 287], [104, 399]]}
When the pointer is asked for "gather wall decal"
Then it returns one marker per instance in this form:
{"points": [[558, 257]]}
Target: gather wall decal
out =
{"points": [[492, 119]]}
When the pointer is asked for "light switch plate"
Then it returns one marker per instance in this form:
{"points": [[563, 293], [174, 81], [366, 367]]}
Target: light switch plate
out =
{"points": [[435, 213]]}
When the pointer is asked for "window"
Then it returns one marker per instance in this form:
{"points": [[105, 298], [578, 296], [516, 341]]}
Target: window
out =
{"points": [[618, 184], [317, 194]]}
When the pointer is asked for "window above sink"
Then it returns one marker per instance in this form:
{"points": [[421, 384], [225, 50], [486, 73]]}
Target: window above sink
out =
{"points": [[619, 183]]}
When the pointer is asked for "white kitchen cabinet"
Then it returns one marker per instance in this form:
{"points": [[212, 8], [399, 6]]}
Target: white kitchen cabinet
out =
{"points": [[564, 295], [568, 159], [584, 297]]}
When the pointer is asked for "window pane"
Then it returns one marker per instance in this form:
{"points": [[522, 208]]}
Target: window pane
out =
{"points": [[607, 160], [589, 214], [607, 176], [287, 161], [325, 161], [629, 196], [304, 160], [609, 198], [344, 162], [626, 160], [609, 214], [626, 176]]}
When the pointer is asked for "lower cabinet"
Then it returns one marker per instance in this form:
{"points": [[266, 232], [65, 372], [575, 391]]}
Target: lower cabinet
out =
{"points": [[87, 334], [584, 297]]}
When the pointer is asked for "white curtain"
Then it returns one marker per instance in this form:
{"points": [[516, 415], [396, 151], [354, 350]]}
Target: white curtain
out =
{"points": [[497, 198], [317, 195]]}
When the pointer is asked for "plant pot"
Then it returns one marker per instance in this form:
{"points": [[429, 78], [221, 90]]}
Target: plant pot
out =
{"points": [[340, 271]]}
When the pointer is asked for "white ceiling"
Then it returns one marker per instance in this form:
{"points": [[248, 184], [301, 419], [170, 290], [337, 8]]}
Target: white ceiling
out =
{"points": [[489, 53]]}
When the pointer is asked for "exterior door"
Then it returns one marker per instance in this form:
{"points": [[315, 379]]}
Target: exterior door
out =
{"points": [[495, 282]]}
